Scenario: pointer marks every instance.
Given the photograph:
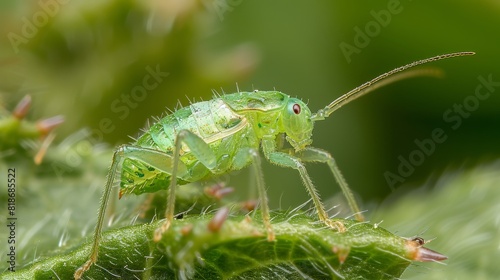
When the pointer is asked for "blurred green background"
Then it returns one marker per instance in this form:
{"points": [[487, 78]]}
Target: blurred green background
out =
{"points": [[80, 59]]}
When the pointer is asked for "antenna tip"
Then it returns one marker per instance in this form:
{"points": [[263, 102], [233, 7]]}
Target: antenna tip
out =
{"points": [[464, 53]]}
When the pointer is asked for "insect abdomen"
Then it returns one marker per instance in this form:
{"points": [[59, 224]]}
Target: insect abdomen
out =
{"points": [[213, 121]]}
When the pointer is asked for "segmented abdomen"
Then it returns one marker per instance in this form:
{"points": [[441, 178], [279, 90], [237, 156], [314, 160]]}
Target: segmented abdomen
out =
{"points": [[213, 121]]}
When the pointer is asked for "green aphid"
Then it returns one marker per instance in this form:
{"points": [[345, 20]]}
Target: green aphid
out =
{"points": [[210, 138]]}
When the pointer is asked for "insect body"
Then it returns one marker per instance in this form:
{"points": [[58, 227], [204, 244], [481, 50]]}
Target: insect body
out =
{"points": [[214, 137], [229, 126]]}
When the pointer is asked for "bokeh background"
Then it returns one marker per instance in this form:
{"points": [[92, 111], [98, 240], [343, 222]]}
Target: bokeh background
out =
{"points": [[85, 60], [80, 58]]}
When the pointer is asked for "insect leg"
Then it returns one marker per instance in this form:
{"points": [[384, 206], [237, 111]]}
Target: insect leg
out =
{"points": [[202, 152], [242, 157], [264, 204], [287, 160], [310, 154], [156, 159]]}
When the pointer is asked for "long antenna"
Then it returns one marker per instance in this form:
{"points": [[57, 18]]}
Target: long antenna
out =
{"points": [[383, 80]]}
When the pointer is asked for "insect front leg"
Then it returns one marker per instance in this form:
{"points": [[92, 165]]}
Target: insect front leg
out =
{"points": [[310, 154], [203, 153], [155, 158], [291, 161]]}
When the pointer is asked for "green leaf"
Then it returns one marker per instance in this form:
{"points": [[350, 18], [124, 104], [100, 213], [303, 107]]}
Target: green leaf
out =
{"points": [[237, 250], [461, 217]]}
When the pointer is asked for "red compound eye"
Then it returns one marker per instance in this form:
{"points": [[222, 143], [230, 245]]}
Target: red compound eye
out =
{"points": [[296, 109]]}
